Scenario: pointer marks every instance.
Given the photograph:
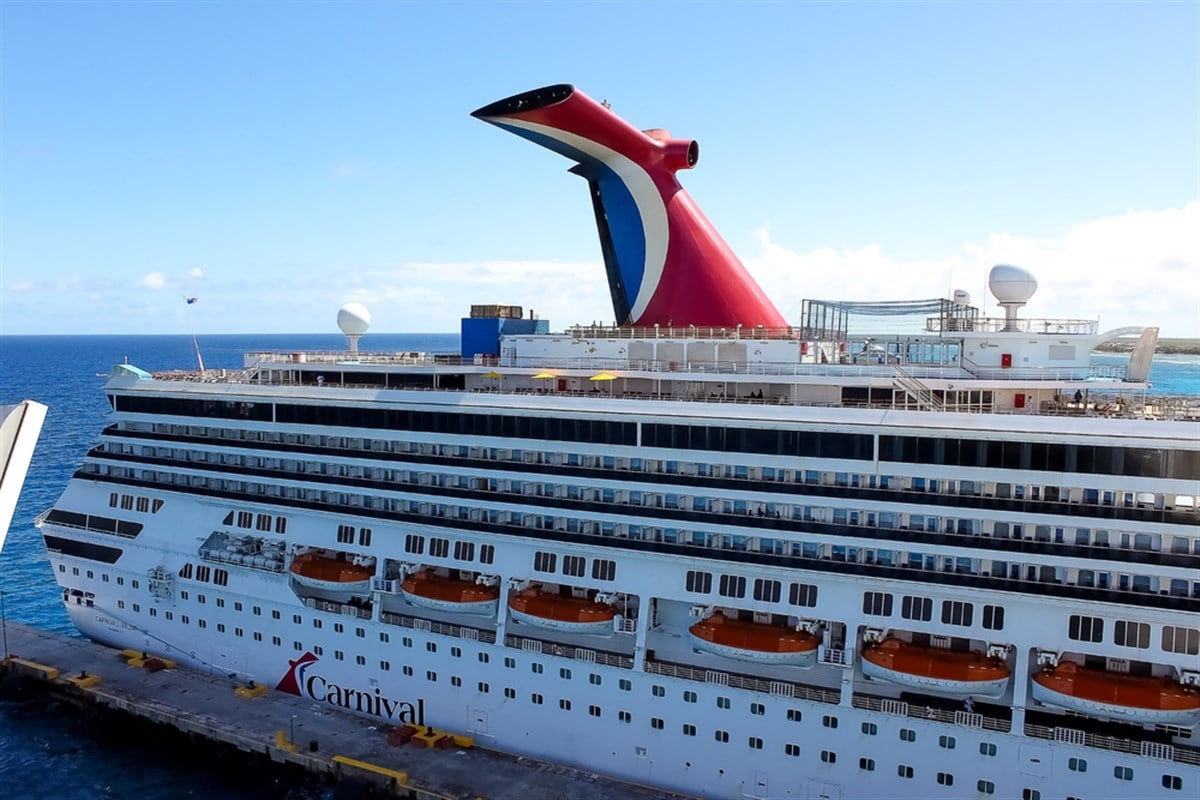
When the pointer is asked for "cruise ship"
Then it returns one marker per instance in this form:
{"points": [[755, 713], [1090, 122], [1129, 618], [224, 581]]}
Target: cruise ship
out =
{"points": [[703, 548], [20, 424]]}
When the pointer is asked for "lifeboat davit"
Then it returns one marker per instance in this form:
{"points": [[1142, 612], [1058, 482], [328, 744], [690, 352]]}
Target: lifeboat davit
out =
{"points": [[539, 608], [332, 578], [443, 593], [759, 642], [959, 673], [1142, 699]]}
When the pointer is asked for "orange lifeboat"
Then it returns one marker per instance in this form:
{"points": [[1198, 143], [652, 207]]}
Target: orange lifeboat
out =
{"points": [[1142, 699], [754, 641], [533, 606], [935, 669], [332, 578], [443, 593]]}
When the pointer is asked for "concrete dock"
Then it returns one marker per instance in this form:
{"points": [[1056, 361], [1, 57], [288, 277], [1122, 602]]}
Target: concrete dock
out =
{"points": [[286, 729]]}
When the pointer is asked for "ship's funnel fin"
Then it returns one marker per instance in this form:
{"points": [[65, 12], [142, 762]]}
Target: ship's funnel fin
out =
{"points": [[666, 263], [612, 266]]}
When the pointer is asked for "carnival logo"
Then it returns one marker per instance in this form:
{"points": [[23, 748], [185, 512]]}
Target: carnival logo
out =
{"points": [[304, 681]]}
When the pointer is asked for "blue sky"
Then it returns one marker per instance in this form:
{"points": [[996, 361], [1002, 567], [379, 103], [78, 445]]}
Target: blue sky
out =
{"points": [[276, 160]]}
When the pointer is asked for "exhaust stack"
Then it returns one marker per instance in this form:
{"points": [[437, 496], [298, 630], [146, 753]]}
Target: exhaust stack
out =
{"points": [[666, 263]]}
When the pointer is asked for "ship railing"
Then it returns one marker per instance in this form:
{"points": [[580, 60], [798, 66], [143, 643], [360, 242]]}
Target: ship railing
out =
{"points": [[440, 628], [886, 705], [588, 654], [756, 332], [1047, 374], [338, 608], [1066, 327], [835, 656], [737, 680], [1164, 752]]}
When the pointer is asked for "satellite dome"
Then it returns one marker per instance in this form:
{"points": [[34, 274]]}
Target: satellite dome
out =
{"points": [[1011, 284], [354, 319], [962, 297]]}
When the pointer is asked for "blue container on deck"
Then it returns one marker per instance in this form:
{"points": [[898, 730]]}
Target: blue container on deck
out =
{"points": [[481, 335]]}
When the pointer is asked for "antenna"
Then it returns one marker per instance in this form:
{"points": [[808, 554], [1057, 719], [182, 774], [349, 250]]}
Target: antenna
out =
{"points": [[188, 301]]}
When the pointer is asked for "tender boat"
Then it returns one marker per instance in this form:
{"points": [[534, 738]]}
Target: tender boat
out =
{"points": [[959, 673], [1142, 699], [754, 641], [333, 578], [443, 593], [539, 608]]}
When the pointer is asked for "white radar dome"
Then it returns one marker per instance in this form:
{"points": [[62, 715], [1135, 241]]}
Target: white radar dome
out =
{"points": [[1011, 284], [354, 319], [962, 297]]}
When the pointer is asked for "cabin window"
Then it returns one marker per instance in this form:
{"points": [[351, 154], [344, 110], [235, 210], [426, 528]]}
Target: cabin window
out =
{"points": [[791, 749], [955, 612], [829, 721], [1131, 634], [877, 604], [870, 728], [987, 749], [918, 608], [904, 771], [866, 764], [1077, 765], [732, 586], [439, 548], [699, 582], [828, 757], [993, 617], [908, 735], [1123, 773], [766, 591], [1085, 629], [1180, 640], [464, 551], [947, 742], [721, 736], [414, 544], [544, 562], [689, 729], [945, 779], [1173, 782], [802, 594], [574, 566], [985, 787], [604, 569]]}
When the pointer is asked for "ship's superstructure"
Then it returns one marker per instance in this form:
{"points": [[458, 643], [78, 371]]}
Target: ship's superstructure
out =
{"points": [[747, 560]]}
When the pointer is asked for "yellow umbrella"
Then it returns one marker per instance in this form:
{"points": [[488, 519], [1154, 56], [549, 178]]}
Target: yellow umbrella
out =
{"points": [[544, 376], [492, 375], [603, 376]]}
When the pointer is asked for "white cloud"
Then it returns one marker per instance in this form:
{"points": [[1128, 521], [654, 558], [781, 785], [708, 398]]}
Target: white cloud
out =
{"points": [[155, 280], [195, 272], [1140, 268]]}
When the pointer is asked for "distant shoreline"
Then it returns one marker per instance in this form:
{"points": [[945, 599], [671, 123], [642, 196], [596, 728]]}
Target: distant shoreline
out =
{"points": [[1189, 347]]}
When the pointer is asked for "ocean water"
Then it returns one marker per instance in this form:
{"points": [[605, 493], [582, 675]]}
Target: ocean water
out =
{"points": [[89, 760]]}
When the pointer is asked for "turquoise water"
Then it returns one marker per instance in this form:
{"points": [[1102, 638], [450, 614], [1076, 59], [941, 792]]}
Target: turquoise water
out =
{"points": [[88, 760]]}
